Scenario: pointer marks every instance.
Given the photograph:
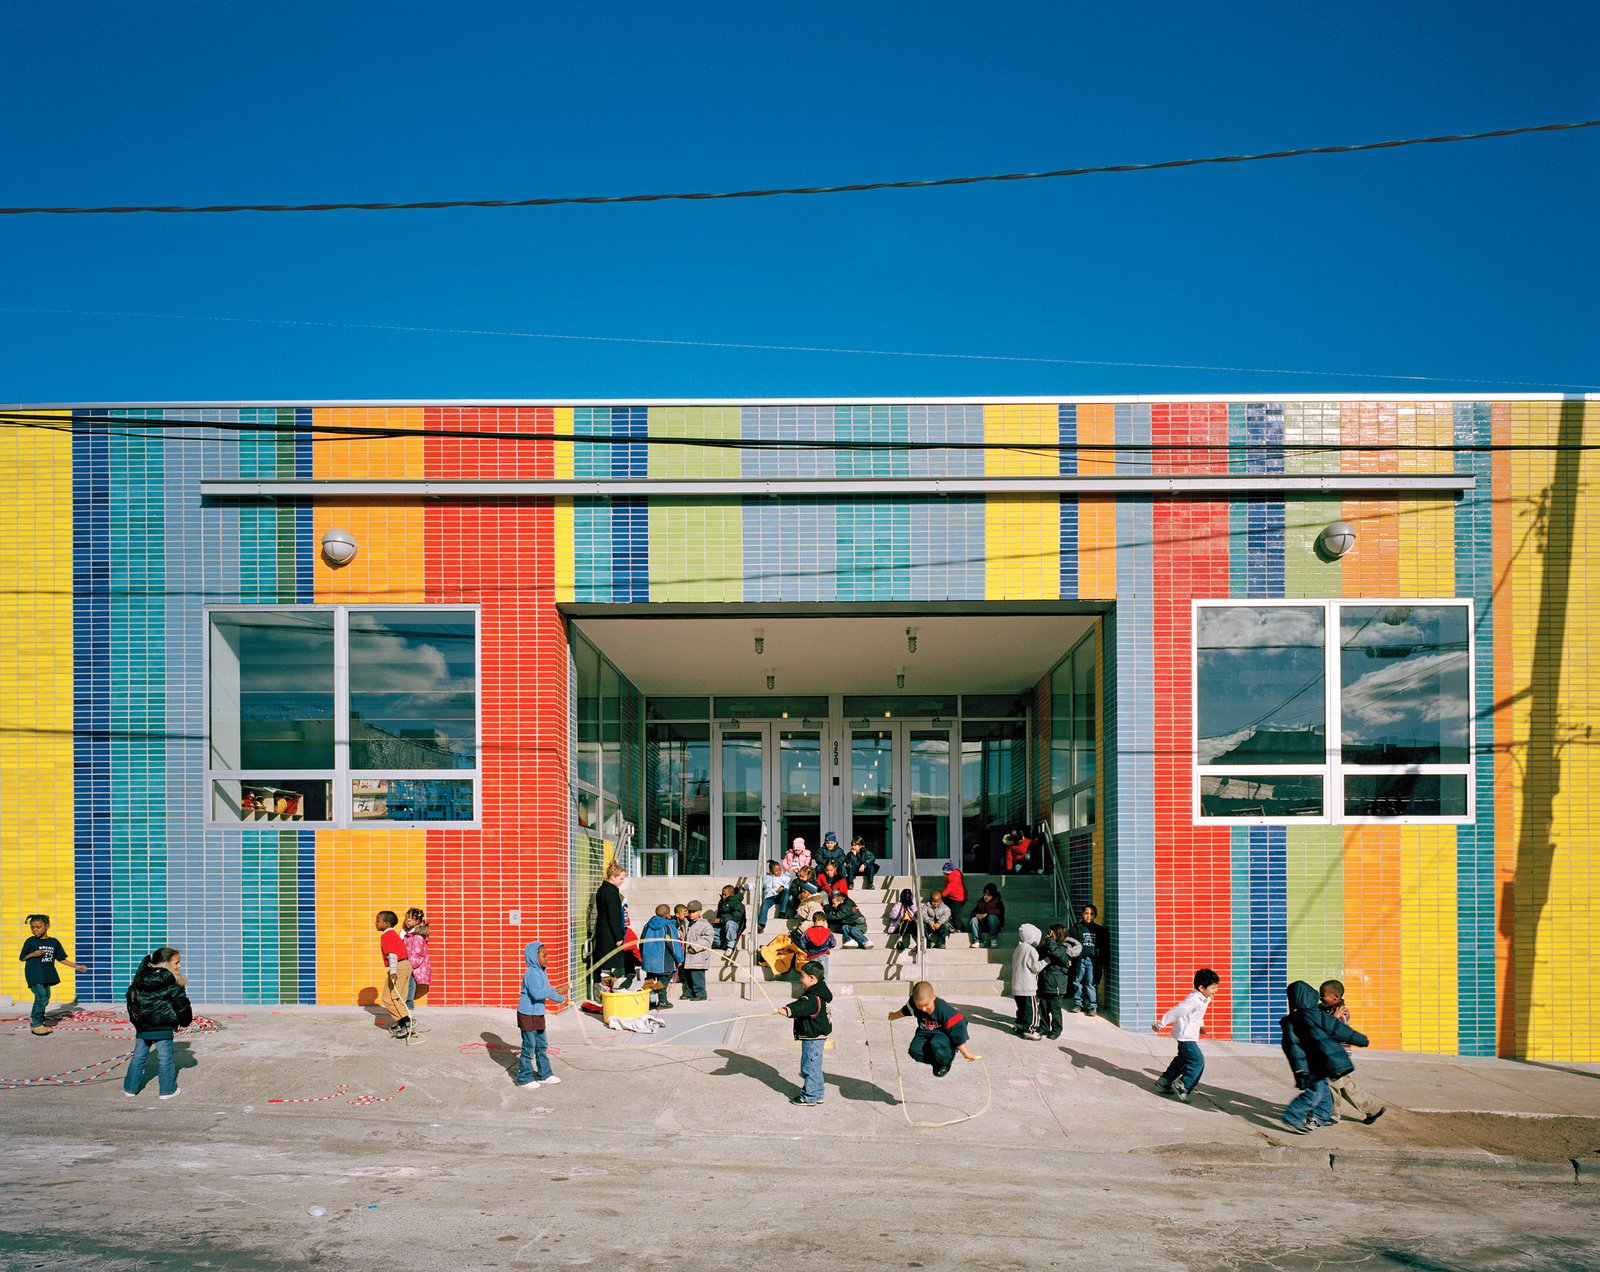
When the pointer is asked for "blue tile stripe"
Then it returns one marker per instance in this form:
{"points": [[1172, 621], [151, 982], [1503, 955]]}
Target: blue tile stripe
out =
{"points": [[1475, 902], [1130, 832], [91, 710]]}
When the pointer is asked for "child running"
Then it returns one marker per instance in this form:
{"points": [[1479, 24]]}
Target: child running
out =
{"points": [[1322, 1038], [533, 1062], [41, 952], [813, 1022], [1344, 1086], [941, 1030], [1186, 1018]]}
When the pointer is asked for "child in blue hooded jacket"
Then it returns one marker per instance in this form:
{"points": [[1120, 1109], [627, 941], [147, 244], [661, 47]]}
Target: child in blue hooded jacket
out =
{"points": [[533, 1065], [661, 951]]}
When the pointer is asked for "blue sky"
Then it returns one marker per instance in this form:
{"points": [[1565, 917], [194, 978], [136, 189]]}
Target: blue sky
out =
{"points": [[1470, 262]]}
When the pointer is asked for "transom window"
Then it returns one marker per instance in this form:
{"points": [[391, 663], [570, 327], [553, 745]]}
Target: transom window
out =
{"points": [[342, 716], [1333, 711]]}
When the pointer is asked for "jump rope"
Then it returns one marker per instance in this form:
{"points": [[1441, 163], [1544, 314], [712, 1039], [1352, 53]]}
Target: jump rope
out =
{"points": [[775, 1010], [97, 1022]]}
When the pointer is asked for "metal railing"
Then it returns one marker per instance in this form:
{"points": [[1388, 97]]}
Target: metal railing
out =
{"points": [[752, 922], [1059, 865], [916, 895]]}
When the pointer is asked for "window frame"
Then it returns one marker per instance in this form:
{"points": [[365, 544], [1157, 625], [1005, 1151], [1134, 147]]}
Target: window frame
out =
{"points": [[1334, 770], [342, 776]]}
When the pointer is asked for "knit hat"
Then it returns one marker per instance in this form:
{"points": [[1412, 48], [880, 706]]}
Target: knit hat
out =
{"points": [[799, 844], [830, 837], [948, 866]]}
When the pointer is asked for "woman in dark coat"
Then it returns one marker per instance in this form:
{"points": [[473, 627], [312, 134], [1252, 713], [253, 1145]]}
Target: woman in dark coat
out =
{"points": [[609, 928], [157, 1006]]}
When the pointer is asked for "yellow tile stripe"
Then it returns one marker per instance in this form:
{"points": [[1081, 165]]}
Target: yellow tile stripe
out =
{"points": [[36, 804], [1022, 424], [1022, 547], [1428, 982]]}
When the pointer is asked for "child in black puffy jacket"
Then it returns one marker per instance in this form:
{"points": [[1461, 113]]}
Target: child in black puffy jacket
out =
{"points": [[158, 1006]]}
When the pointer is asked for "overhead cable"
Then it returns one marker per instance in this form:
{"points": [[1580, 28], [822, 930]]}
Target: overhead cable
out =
{"points": [[855, 188]]}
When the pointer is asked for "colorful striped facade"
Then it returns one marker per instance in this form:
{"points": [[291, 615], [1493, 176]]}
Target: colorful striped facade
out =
{"points": [[1475, 939]]}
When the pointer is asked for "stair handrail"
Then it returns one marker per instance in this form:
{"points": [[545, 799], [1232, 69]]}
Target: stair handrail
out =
{"points": [[1063, 882], [751, 923], [916, 894]]}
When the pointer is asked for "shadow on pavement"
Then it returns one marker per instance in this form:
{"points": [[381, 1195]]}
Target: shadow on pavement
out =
{"points": [[502, 1054], [849, 1088], [1224, 1100]]}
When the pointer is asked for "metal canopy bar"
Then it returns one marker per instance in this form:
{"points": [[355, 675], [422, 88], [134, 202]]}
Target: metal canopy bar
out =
{"points": [[636, 488]]}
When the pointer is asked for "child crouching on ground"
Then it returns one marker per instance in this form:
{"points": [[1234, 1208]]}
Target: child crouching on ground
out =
{"points": [[1026, 964], [1187, 1018], [813, 1022], [533, 1064], [902, 923], [941, 1030]]}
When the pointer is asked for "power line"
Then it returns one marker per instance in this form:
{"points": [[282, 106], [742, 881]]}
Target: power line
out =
{"points": [[80, 423], [855, 188], [783, 348]]}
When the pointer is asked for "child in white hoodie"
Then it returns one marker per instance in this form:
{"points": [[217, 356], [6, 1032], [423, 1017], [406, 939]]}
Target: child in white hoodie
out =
{"points": [[1183, 1074], [1026, 964]]}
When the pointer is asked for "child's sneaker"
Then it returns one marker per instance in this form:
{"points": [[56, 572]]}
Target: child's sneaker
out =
{"points": [[172, 1094], [42, 1031], [803, 1102], [1180, 1091], [551, 1080], [1368, 1121], [939, 1070], [523, 1086], [1033, 1035], [1164, 1085], [1299, 1128]]}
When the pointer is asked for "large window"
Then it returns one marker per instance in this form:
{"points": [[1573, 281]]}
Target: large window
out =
{"points": [[1073, 691], [342, 716], [1333, 711]]}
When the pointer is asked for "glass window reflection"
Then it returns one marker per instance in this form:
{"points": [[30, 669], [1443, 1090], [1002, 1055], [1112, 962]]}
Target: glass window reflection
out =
{"points": [[413, 689], [1405, 692], [272, 690], [1260, 691]]}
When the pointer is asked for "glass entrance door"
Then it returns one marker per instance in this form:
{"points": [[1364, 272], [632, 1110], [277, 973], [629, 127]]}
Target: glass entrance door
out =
{"points": [[769, 775], [901, 775]]}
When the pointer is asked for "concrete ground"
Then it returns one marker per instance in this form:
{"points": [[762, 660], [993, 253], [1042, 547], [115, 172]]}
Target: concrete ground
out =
{"points": [[682, 1151]]}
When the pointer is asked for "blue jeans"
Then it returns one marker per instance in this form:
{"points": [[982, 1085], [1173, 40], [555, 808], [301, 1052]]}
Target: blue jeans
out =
{"points": [[869, 872], [41, 1000], [727, 935], [1083, 985], [1316, 1101], [932, 1047], [778, 901], [532, 1063], [811, 1089], [1187, 1065], [985, 927], [855, 932], [166, 1066]]}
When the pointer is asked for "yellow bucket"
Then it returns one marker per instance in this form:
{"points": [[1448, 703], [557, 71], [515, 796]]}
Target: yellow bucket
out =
{"points": [[627, 1005]]}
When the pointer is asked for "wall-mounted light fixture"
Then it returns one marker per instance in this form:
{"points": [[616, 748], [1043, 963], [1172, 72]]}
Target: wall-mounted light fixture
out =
{"points": [[899, 677], [911, 640], [761, 643], [1336, 540], [772, 679], [339, 547]]}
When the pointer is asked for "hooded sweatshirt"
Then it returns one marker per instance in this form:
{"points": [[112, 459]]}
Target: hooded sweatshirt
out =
{"points": [[660, 950], [536, 989], [1321, 1036], [1026, 963]]}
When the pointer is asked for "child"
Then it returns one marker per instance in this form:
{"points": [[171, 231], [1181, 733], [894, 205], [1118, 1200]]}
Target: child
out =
{"points": [[830, 854], [660, 951], [1322, 1037], [988, 917], [774, 894], [861, 860], [797, 856], [845, 918], [533, 1064], [941, 1030], [902, 918], [808, 899], [815, 943], [1091, 966], [1026, 964], [1018, 846], [397, 973], [1055, 981], [832, 881], [955, 893], [1314, 1105], [1344, 1086], [698, 943], [680, 916], [813, 1023], [1183, 1074], [157, 1006], [730, 918], [41, 952], [415, 935], [937, 922]]}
